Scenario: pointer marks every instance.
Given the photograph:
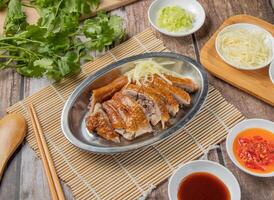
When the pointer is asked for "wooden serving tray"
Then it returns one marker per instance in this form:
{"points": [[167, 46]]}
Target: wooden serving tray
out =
{"points": [[255, 82], [33, 16]]}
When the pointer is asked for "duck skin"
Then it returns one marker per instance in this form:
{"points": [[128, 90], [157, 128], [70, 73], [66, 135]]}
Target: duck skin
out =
{"points": [[186, 84], [179, 94], [171, 103], [138, 120], [104, 93], [98, 121], [155, 107]]}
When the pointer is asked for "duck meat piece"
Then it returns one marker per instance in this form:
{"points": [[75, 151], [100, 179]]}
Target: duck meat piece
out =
{"points": [[155, 107], [171, 103], [114, 116], [106, 92], [186, 84], [136, 112], [179, 94], [128, 132], [98, 121], [121, 119]]}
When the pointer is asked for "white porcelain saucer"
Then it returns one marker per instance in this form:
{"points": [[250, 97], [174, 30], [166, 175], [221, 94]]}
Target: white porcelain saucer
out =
{"points": [[191, 6], [204, 166]]}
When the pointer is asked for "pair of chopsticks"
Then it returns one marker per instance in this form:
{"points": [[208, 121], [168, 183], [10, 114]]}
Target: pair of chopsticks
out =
{"points": [[53, 181]]}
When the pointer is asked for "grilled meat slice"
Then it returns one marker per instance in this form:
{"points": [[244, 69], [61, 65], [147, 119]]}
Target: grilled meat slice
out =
{"points": [[155, 107], [99, 122], [179, 94], [128, 132], [106, 92], [185, 83], [113, 114], [171, 103], [136, 112]]}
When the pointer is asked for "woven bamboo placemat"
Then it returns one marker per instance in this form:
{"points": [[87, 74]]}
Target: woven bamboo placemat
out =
{"points": [[129, 175]]}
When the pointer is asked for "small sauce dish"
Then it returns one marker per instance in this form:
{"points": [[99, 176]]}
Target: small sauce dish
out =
{"points": [[203, 166], [191, 6], [251, 128], [268, 41]]}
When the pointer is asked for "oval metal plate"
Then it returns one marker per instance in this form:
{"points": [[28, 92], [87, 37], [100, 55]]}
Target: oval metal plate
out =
{"points": [[75, 109]]}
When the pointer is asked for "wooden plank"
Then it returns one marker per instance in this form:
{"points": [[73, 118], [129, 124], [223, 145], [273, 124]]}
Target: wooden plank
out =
{"points": [[254, 82], [10, 93], [136, 17], [33, 181]]}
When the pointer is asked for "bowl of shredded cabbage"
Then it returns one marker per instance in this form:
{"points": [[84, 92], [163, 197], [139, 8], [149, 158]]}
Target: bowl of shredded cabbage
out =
{"points": [[176, 18], [245, 46]]}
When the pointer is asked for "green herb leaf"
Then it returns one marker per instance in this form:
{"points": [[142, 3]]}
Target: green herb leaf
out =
{"points": [[31, 71], [3, 4], [69, 64], [15, 19], [44, 63], [52, 48], [116, 23], [103, 31]]}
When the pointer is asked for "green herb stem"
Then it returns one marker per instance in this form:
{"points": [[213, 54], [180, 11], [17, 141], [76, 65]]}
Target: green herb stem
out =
{"points": [[20, 38]]}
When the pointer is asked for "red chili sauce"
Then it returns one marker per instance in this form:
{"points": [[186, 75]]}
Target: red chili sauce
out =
{"points": [[254, 150]]}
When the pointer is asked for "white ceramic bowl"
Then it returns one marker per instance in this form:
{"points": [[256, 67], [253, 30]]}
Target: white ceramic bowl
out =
{"points": [[271, 72], [249, 27], [246, 124], [204, 166], [191, 6]]}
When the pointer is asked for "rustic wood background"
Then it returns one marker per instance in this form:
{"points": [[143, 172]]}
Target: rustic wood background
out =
{"points": [[24, 177]]}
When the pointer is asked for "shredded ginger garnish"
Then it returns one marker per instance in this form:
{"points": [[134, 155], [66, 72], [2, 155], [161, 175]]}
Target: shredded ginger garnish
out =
{"points": [[146, 69], [244, 48]]}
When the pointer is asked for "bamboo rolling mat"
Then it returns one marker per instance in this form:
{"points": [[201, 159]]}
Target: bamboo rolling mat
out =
{"points": [[129, 175]]}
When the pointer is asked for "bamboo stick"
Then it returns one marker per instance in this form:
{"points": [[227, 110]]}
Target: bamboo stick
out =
{"points": [[44, 160], [54, 183]]}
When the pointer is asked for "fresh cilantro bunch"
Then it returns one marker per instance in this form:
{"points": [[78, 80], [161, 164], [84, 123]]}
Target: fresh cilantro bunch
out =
{"points": [[3, 4], [55, 46], [15, 20]]}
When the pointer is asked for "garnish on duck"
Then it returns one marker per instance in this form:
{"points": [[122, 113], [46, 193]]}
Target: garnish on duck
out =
{"points": [[136, 102]]}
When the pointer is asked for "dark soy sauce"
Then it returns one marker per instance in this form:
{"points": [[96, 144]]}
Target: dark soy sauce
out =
{"points": [[202, 186]]}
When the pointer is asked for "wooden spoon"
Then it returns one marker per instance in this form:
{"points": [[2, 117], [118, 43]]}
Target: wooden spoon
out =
{"points": [[12, 132]]}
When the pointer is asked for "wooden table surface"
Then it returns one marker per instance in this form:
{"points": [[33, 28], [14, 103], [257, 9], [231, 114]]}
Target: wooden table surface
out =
{"points": [[24, 177]]}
